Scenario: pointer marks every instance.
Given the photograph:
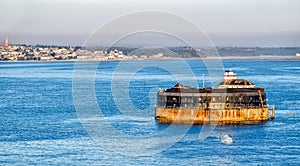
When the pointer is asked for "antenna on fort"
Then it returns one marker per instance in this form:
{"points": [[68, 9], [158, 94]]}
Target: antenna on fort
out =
{"points": [[202, 80]]}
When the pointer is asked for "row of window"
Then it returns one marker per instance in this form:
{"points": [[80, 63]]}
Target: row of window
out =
{"points": [[209, 105], [219, 99], [210, 102]]}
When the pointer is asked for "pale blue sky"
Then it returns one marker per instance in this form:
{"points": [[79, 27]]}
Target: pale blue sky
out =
{"points": [[227, 22]]}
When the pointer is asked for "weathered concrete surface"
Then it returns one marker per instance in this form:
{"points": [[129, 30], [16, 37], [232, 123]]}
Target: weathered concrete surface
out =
{"points": [[214, 116]]}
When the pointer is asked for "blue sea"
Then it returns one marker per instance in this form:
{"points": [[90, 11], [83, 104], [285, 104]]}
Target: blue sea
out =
{"points": [[87, 113]]}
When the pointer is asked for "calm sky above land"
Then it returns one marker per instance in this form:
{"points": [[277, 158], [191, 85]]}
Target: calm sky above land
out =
{"points": [[226, 22]]}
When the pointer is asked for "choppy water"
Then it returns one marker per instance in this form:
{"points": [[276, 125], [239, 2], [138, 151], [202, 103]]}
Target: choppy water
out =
{"points": [[39, 124]]}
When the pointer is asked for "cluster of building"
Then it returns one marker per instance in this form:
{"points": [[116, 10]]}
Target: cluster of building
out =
{"points": [[10, 52], [36, 53], [26, 53]]}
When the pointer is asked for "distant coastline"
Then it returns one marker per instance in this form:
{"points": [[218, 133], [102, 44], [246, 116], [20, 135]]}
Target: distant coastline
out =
{"points": [[289, 58], [41, 53]]}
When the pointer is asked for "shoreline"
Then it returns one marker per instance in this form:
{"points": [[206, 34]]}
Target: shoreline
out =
{"points": [[165, 59]]}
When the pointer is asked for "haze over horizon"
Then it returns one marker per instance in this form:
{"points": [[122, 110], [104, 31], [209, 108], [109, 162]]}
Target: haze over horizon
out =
{"points": [[227, 22]]}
